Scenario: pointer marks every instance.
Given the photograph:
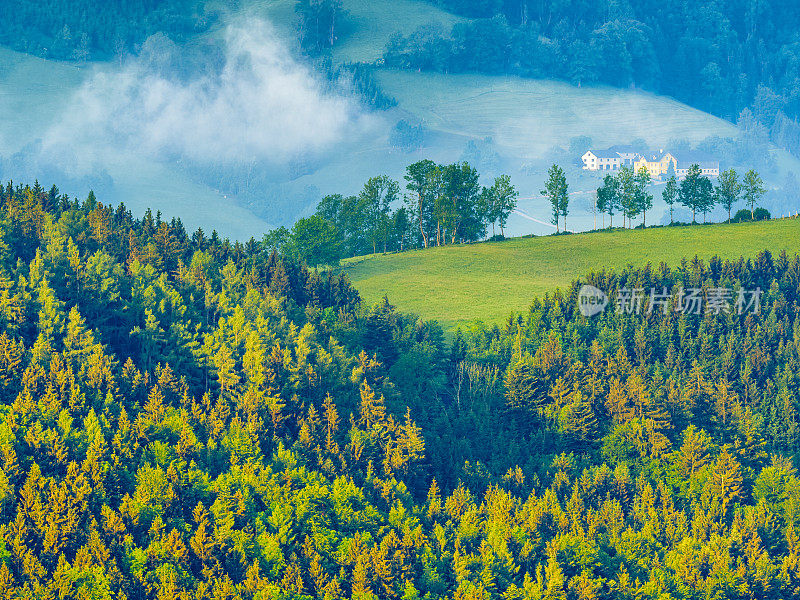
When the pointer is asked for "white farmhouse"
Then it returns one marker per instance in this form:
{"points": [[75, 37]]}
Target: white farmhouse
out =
{"points": [[601, 160], [659, 164]]}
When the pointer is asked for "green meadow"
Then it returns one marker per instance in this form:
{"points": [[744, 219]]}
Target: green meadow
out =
{"points": [[459, 284]]}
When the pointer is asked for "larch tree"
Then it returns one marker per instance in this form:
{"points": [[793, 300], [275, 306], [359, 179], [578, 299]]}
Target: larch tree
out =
{"points": [[726, 480]]}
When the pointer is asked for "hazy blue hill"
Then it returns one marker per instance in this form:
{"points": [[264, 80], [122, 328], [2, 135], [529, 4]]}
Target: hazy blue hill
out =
{"points": [[526, 120], [32, 92], [368, 24]]}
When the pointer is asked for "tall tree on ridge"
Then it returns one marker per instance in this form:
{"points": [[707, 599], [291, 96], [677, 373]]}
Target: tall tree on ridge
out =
{"points": [[608, 199], [420, 181], [752, 190], [696, 192], [460, 197], [556, 191], [628, 188], [670, 194], [727, 191], [503, 200], [644, 199], [378, 195]]}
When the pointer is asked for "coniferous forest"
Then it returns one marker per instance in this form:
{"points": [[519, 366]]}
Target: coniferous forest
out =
{"points": [[82, 30], [186, 417]]}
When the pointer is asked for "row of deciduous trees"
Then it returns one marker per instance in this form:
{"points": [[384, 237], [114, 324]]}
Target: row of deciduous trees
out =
{"points": [[627, 193], [698, 194], [442, 204]]}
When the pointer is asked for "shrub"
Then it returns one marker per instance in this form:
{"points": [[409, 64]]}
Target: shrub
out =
{"points": [[407, 137], [744, 215]]}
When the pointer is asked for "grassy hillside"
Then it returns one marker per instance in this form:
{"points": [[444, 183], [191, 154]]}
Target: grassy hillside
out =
{"points": [[529, 116], [458, 284], [368, 25]]}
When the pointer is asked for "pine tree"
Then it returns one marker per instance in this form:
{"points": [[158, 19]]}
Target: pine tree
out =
{"points": [[618, 403], [524, 387], [726, 480], [434, 500], [579, 422], [408, 447]]}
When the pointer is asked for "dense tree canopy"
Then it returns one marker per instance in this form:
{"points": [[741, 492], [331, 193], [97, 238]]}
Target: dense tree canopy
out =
{"points": [[183, 417], [444, 204], [84, 29]]}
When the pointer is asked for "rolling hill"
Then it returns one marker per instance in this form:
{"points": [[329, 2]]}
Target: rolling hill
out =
{"points": [[517, 123], [525, 119], [459, 284]]}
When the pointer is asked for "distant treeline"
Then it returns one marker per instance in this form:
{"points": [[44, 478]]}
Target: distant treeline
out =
{"points": [[720, 56], [444, 204], [81, 29]]}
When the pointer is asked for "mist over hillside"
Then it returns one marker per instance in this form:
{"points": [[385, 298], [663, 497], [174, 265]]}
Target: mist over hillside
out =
{"points": [[240, 122], [399, 300], [244, 105], [257, 105]]}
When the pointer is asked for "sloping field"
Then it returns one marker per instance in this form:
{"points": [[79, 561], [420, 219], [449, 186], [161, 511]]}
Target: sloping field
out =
{"points": [[367, 26], [458, 284], [528, 117]]}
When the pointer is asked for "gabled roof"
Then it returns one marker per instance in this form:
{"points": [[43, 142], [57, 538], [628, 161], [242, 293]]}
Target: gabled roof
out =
{"points": [[654, 156], [605, 153], [622, 149]]}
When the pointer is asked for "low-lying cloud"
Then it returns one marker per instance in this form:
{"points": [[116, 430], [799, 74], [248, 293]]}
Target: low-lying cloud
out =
{"points": [[258, 104]]}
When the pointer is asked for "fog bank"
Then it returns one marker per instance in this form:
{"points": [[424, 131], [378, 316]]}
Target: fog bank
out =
{"points": [[253, 103]]}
